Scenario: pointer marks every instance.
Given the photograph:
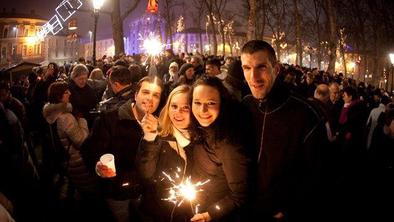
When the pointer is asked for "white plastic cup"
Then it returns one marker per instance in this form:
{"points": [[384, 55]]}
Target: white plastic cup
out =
{"points": [[109, 161]]}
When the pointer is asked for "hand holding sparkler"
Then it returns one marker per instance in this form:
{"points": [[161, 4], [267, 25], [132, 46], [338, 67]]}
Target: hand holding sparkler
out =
{"points": [[185, 190], [203, 217], [149, 124]]}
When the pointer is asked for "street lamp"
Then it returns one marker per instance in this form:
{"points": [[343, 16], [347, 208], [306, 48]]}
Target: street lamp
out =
{"points": [[391, 55], [97, 4]]}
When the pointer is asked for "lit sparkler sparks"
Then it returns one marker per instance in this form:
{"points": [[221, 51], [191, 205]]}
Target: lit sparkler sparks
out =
{"points": [[152, 45], [184, 190]]}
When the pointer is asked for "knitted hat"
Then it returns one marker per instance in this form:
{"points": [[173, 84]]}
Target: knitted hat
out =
{"points": [[184, 67]]}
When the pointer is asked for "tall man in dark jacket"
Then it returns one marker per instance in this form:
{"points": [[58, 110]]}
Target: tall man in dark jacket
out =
{"points": [[288, 135], [119, 132]]}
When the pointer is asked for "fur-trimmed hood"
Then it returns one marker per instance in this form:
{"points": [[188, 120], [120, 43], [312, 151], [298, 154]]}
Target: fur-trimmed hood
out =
{"points": [[52, 111]]}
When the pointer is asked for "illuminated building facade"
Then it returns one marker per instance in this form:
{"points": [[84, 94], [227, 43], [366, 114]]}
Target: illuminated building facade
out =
{"points": [[19, 42], [103, 47], [150, 23]]}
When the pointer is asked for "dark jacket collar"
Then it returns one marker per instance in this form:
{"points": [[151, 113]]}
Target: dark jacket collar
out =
{"points": [[126, 92], [125, 112]]}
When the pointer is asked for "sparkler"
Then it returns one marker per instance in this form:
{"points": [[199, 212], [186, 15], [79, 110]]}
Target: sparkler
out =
{"points": [[185, 190], [152, 45]]}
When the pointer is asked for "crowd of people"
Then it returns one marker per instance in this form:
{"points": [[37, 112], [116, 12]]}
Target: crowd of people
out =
{"points": [[266, 141]]}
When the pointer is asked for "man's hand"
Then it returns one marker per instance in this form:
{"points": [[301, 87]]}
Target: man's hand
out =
{"points": [[104, 171], [203, 217], [149, 125], [279, 216]]}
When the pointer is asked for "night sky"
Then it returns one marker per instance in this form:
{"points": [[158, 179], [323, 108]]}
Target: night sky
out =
{"points": [[46, 9]]}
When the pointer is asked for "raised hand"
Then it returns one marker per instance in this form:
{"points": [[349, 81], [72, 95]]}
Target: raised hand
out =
{"points": [[149, 124]]}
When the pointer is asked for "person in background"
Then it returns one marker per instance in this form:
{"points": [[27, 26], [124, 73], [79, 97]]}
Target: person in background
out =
{"points": [[120, 81], [83, 98], [186, 75], [335, 104], [212, 68], [97, 82], [197, 63]]}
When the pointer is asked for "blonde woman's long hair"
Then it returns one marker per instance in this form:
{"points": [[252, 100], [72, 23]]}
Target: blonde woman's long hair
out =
{"points": [[164, 117]]}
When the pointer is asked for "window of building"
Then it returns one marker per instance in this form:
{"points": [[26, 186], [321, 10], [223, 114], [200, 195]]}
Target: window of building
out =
{"points": [[26, 32], [3, 52], [24, 51], [13, 49], [5, 33]]}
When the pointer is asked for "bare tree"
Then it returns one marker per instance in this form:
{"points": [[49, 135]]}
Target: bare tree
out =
{"points": [[276, 22], [313, 17], [219, 10], [199, 13], [332, 24], [117, 20], [169, 16], [261, 19], [297, 17], [251, 33], [211, 20]]}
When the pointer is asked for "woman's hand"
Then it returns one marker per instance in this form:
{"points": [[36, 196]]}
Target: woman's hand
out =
{"points": [[104, 171], [149, 125], [203, 217]]}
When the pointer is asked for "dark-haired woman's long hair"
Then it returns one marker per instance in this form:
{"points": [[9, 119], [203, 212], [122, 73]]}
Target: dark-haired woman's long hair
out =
{"points": [[232, 120]]}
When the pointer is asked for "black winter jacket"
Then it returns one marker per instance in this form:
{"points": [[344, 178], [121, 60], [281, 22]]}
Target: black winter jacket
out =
{"points": [[289, 137], [155, 159], [226, 166], [117, 132]]}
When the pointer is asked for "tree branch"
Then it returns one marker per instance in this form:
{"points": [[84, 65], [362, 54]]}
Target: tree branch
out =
{"points": [[129, 10]]}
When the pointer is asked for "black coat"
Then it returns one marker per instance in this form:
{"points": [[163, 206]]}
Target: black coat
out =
{"points": [[117, 132], [83, 100], [155, 158], [226, 166], [289, 135]]}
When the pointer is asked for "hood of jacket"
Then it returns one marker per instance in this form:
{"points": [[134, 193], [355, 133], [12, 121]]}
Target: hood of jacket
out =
{"points": [[52, 111]]}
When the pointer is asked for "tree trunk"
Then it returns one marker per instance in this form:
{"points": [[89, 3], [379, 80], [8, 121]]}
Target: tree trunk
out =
{"points": [[251, 34], [209, 5], [298, 34], [214, 40], [117, 28], [333, 36], [262, 19], [201, 46], [223, 39]]}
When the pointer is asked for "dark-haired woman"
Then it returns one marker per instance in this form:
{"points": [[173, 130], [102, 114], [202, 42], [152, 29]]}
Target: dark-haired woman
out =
{"points": [[219, 154]]}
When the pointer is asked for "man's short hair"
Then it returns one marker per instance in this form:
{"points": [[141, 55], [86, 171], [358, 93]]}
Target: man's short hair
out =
{"points": [[259, 45], [323, 90], [78, 70], [215, 62], [121, 75], [150, 79], [135, 72]]}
